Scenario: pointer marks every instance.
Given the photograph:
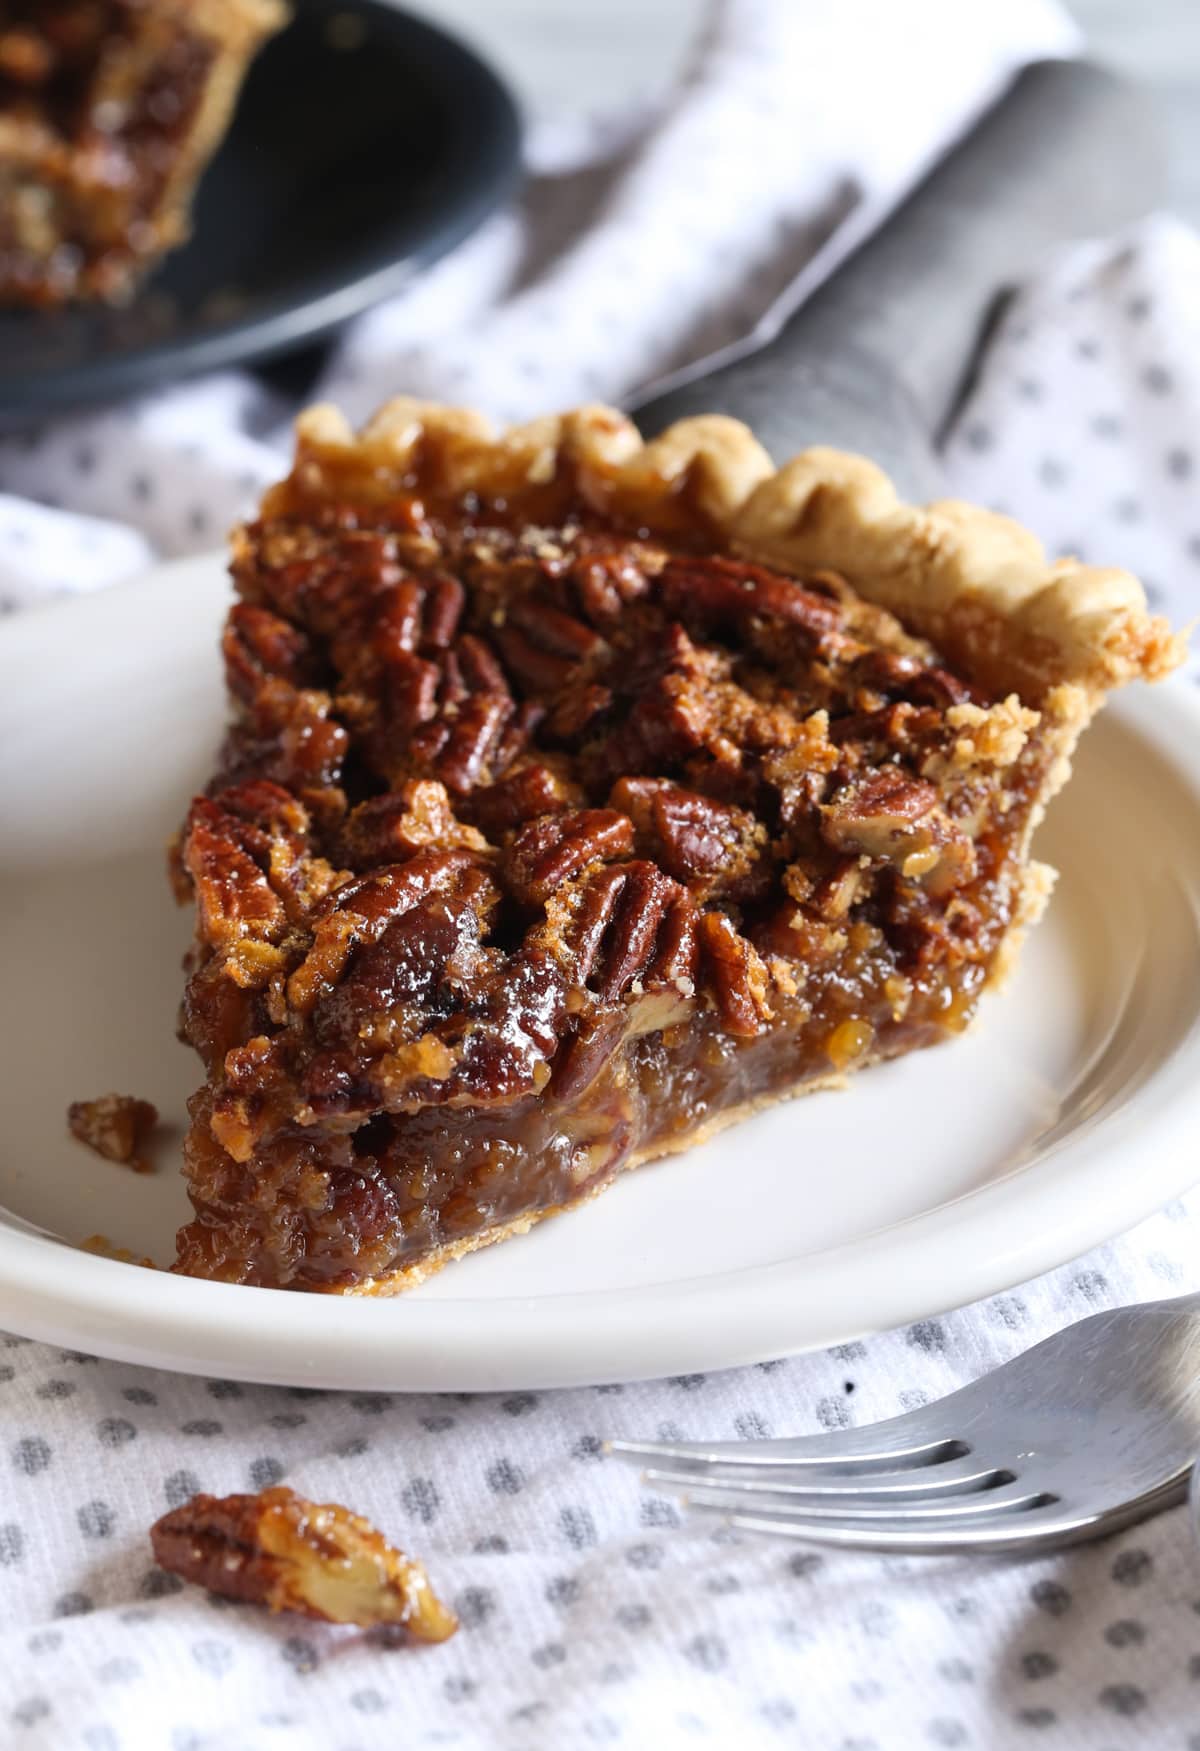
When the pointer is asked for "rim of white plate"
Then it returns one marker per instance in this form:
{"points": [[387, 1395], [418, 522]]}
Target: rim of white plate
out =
{"points": [[1137, 1159]]}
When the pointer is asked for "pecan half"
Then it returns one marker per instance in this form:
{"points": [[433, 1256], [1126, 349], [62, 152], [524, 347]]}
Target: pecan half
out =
{"points": [[257, 643], [359, 912], [234, 899], [553, 849], [736, 975], [627, 928], [425, 955], [536, 788], [390, 828], [891, 817], [314, 1558], [542, 647], [880, 815], [714, 847], [288, 735], [670, 710], [629, 933], [605, 583], [712, 591]]}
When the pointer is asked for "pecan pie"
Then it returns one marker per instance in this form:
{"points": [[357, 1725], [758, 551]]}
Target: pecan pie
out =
{"points": [[582, 796], [109, 112]]}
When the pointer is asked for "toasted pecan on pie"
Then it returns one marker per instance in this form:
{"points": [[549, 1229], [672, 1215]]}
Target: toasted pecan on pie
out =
{"points": [[582, 796], [314, 1558], [109, 112]]}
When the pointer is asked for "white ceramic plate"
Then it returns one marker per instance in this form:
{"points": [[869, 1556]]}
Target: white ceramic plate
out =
{"points": [[1067, 1115]]}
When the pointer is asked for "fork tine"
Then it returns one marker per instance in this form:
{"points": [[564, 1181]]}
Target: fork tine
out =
{"points": [[870, 1449], [956, 1477], [775, 1507], [1023, 1529], [1018, 1531]]}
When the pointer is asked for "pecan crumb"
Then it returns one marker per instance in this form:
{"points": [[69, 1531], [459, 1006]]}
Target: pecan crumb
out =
{"points": [[315, 1558], [102, 1247], [115, 1126]]}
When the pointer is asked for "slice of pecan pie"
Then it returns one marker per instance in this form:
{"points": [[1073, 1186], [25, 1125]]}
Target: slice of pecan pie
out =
{"points": [[109, 112], [583, 796]]}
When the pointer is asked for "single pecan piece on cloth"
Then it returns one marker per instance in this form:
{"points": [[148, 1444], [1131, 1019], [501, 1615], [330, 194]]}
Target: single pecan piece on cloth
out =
{"points": [[316, 1558]]}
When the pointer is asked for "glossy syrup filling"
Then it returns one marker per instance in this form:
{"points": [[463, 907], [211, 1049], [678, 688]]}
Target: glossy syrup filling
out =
{"points": [[537, 850]]}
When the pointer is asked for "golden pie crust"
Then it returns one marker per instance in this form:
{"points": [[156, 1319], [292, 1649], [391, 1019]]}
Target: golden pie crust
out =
{"points": [[975, 583]]}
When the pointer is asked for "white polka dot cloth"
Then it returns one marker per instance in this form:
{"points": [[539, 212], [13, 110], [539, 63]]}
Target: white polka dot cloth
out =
{"points": [[591, 1614]]}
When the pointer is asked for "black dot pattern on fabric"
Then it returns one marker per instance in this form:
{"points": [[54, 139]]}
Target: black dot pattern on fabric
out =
{"points": [[577, 1527], [1051, 1597], [159, 1584], [115, 1431], [707, 1652], [475, 1605], [1123, 1699], [224, 1388], [1132, 1568], [301, 1655], [947, 1732], [31, 1455], [421, 1500], [504, 1478], [54, 1389], [179, 1486], [32, 1710], [96, 1519]]}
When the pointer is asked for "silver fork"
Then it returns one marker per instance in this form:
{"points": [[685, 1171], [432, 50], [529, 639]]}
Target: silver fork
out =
{"points": [[1088, 1431]]}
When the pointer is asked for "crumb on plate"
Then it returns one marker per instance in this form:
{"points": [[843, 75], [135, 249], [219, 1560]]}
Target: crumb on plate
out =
{"points": [[115, 1126]]}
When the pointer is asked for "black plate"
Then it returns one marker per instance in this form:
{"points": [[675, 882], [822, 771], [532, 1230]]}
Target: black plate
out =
{"points": [[365, 143]]}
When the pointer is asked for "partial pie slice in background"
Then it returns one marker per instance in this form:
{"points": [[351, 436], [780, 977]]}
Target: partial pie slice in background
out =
{"points": [[109, 112], [584, 795]]}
